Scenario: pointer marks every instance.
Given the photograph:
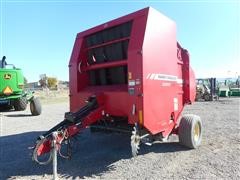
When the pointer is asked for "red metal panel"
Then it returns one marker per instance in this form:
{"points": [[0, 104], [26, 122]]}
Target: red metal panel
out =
{"points": [[114, 22], [107, 43], [73, 75], [79, 89], [160, 73], [192, 86], [110, 64], [115, 103], [135, 61], [160, 80]]}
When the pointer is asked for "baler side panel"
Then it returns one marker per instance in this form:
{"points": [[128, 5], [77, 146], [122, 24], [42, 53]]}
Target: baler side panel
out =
{"points": [[135, 69], [192, 86], [75, 102], [189, 84], [160, 74]]}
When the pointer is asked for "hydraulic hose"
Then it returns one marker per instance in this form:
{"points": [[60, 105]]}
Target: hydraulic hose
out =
{"points": [[35, 155], [71, 118]]}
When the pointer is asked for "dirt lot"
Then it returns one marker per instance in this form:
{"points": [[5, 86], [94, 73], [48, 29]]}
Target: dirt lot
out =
{"points": [[107, 156]]}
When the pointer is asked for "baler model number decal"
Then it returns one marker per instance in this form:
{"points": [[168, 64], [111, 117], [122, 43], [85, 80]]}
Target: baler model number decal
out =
{"points": [[164, 77], [7, 76]]}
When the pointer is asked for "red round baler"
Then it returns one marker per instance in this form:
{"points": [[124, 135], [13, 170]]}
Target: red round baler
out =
{"points": [[130, 75]]}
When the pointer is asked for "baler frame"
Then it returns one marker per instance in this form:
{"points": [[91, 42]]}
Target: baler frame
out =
{"points": [[130, 69]]}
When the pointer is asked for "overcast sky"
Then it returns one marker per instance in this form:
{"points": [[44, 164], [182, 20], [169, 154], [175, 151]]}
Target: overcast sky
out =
{"points": [[38, 36]]}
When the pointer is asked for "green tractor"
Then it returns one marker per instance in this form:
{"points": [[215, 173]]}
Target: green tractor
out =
{"points": [[12, 93]]}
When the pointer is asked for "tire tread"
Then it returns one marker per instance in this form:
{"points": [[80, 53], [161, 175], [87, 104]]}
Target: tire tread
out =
{"points": [[20, 104], [185, 130]]}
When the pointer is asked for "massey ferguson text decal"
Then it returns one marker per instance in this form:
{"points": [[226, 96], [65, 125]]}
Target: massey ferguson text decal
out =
{"points": [[164, 77]]}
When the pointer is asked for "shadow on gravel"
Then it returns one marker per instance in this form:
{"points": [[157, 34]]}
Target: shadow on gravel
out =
{"points": [[93, 154], [3, 109], [166, 147], [226, 100], [18, 115], [15, 157]]}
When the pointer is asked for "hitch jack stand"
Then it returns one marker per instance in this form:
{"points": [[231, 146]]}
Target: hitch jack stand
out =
{"points": [[54, 153]]}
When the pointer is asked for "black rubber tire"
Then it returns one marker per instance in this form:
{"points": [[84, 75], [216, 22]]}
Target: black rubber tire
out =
{"points": [[206, 97], [186, 131], [20, 104], [35, 107]]}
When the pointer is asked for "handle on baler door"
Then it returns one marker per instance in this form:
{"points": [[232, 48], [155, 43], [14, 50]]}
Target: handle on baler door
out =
{"points": [[79, 67], [133, 109]]}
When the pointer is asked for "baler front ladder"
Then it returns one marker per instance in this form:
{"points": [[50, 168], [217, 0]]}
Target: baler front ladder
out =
{"points": [[72, 124]]}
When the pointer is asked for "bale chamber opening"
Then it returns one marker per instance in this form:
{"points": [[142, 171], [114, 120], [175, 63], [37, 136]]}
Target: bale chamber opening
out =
{"points": [[107, 46]]}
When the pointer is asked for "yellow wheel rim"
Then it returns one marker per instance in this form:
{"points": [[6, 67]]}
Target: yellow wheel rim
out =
{"points": [[196, 132]]}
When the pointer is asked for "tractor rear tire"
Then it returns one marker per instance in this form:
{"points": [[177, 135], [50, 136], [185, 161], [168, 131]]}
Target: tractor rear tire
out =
{"points": [[35, 107], [20, 104], [190, 131]]}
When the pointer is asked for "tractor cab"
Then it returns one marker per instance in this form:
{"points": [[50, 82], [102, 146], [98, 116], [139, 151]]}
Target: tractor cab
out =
{"points": [[3, 62], [5, 65]]}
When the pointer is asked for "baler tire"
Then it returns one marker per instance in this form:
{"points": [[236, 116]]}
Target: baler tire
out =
{"points": [[35, 107], [20, 104], [190, 131]]}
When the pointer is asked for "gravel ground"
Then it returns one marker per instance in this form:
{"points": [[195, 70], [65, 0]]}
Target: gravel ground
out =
{"points": [[107, 156]]}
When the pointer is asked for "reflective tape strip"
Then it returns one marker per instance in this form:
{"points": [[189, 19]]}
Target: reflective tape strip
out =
{"points": [[140, 116]]}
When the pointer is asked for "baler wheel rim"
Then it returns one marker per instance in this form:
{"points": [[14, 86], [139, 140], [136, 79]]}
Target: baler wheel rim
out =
{"points": [[135, 142], [196, 132]]}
